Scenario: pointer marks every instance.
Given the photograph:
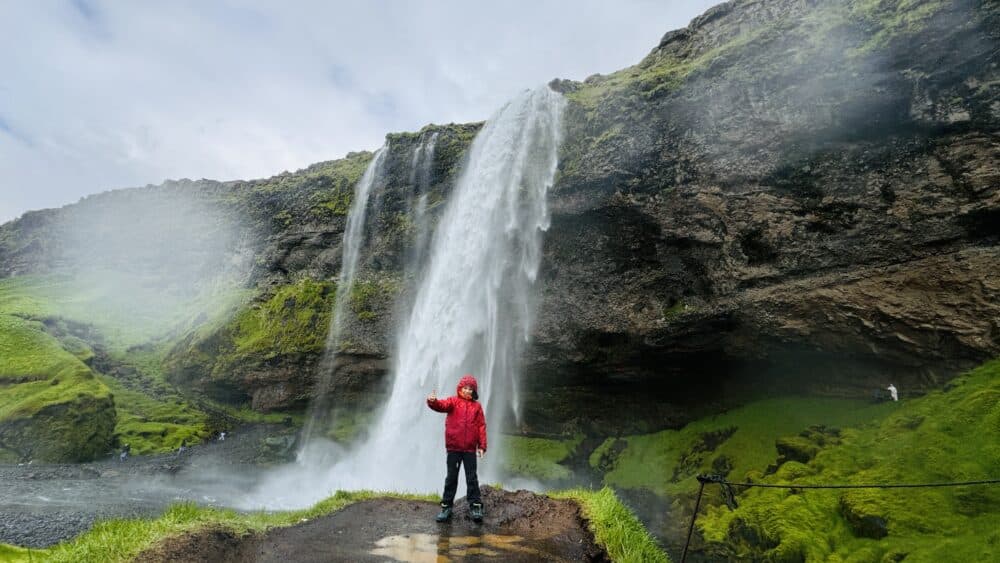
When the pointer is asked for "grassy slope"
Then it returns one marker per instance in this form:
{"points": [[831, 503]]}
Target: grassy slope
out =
{"points": [[951, 435], [148, 424], [538, 458], [679, 455], [614, 527], [44, 389]]}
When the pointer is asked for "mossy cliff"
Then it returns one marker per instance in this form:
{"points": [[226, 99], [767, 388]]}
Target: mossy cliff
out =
{"points": [[52, 408], [784, 195], [268, 351]]}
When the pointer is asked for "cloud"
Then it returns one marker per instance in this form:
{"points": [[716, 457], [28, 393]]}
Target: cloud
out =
{"points": [[114, 94]]}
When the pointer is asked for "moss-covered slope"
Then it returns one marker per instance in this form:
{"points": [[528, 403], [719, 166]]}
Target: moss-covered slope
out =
{"points": [[256, 354], [74, 389], [52, 408], [946, 436]]}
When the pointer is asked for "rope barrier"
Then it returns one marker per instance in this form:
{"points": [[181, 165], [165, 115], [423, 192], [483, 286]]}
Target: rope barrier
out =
{"points": [[730, 497]]}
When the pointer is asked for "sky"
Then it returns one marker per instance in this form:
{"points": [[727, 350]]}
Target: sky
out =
{"points": [[98, 95]]}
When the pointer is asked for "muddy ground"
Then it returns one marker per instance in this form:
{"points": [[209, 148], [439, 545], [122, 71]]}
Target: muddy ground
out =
{"points": [[519, 526]]}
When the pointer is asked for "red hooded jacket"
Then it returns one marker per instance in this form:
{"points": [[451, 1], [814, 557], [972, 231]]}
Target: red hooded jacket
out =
{"points": [[465, 426]]}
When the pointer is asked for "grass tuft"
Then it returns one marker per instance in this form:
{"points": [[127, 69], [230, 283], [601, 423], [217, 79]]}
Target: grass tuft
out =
{"points": [[614, 526]]}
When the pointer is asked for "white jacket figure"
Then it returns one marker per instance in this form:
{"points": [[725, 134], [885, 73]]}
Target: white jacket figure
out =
{"points": [[893, 392]]}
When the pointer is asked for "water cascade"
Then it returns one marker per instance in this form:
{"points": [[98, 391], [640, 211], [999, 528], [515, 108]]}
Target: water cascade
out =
{"points": [[472, 312], [354, 236]]}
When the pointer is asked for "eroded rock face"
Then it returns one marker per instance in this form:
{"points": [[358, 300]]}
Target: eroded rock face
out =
{"points": [[785, 195], [810, 209]]}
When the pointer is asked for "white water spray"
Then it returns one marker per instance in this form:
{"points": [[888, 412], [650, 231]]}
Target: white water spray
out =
{"points": [[472, 313]]}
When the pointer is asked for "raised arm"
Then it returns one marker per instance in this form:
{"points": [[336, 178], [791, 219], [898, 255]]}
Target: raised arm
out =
{"points": [[440, 405]]}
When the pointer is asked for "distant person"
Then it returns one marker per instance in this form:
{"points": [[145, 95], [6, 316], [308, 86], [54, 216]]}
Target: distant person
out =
{"points": [[893, 392], [183, 448], [126, 450], [465, 439], [222, 436]]}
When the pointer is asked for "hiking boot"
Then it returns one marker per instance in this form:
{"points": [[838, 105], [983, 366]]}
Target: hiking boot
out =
{"points": [[444, 515], [477, 512]]}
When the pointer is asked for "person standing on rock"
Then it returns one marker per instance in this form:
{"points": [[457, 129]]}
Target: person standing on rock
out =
{"points": [[464, 439]]}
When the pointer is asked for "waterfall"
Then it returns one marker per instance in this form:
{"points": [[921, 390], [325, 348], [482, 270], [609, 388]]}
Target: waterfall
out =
{"points": [[354, 235], [420, 173], [471, 312]]}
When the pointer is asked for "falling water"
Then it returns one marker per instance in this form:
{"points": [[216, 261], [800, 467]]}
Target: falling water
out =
{"points": [[420, 172], [471, 313], [473, 310], [353, 237]]}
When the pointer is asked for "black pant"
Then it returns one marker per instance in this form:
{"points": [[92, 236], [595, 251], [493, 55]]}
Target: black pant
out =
{"points": [[471, 480]]}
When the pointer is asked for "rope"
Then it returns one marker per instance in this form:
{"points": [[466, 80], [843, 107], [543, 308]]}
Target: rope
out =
{"points": [[718, 479], [730, 497]]}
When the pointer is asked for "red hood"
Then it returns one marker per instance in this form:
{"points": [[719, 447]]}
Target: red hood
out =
{"points": [[467, 379]]}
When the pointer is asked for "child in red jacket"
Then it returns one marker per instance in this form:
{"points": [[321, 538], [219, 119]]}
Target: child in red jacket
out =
{"points": [[464, 438]]}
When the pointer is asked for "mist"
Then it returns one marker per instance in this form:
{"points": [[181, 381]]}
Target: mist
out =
{"points": [[143, 263]]}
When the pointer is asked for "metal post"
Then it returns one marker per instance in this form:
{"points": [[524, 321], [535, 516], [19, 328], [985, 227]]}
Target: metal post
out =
{"points": [[694, 515]]}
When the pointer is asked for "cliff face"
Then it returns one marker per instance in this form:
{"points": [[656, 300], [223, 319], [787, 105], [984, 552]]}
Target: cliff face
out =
{"points": [[784, 194], [792, 194]]}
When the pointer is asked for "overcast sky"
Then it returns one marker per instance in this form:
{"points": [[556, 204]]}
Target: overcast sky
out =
{"points": [[97, 95]]}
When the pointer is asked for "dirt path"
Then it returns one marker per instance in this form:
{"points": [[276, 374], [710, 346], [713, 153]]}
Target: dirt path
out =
{"points": [[519, 526]]}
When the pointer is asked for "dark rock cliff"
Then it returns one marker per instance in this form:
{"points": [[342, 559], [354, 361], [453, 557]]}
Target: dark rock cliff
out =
{"points": [[786, 194]]}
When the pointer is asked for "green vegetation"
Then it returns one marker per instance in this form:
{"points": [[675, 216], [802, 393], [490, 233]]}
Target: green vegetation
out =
{"points": [[123, 540], [15, 554], [893, 17], [339, 178], [614, 526], [149, 315], [539, 458], [145, 412], [737, 442], [51, 406], [295, 319], [951, 435], [149, 425], [661, 73], [451, 147], [367, 295]]}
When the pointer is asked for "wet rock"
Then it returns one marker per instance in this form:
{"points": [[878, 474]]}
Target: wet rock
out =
{"points": [[863, 516]]}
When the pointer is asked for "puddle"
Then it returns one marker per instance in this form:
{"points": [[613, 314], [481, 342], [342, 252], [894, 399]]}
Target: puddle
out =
{"points": [[434, 548]]}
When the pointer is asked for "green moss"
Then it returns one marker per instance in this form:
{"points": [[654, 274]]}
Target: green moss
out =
{"points": [[51, 406], [295, 319], [945, 436], [539, 458], [149, 425], [742, 440], [368, 296], [892, 18], [451, 147], [674, 311], [94, 300], [614, 526]]}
